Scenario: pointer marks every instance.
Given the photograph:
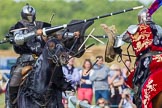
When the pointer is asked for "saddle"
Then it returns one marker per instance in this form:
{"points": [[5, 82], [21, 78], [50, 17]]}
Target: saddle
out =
{"points": [[25, 72]]}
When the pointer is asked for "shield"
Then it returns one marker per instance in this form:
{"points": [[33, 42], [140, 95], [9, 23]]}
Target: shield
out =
{"points": [[109, 52], [82, 29]]}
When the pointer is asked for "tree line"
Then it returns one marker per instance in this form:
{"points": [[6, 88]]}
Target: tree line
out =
{"points": [[65, 11]]}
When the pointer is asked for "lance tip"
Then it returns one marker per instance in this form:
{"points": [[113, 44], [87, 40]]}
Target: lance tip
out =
{"points": [[138, 7]]}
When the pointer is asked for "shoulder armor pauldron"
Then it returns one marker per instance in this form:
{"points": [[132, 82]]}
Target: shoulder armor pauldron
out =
{"points": [[132, 29]]}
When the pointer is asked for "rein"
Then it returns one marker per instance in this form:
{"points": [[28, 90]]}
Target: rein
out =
{"points": [[121, 60], [75, 42], [129, 56], [53, 57]]}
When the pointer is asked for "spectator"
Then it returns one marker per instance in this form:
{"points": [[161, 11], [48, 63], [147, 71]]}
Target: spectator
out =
{"points": [[72, 75], [85, 91], [99, 79], [125, 71], [111, 77], [102, 103], [126, 101], [1, 79], [2, 87], [116, 70]]}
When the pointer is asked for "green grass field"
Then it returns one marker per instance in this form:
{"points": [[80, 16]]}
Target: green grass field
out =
{"points": [[2, 100]]}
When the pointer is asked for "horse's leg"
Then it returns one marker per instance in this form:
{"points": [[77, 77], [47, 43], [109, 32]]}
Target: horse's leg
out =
{"points": [[55, 100], [26, 102], [157, 101]]}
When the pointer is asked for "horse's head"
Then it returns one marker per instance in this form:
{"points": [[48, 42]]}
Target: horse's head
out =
{"points": [[56, 51]]}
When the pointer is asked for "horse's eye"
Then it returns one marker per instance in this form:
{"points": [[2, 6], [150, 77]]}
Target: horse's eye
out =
{"points": [[51, 45]]}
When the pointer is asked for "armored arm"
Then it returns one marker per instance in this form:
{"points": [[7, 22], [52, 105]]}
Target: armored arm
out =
{"points": [[132, 29], [68, 35], [118, 42], [20, 38], [124, 37]]}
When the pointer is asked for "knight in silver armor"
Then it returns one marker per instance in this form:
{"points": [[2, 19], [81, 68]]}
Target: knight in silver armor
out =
{"points": [[28, 43]]}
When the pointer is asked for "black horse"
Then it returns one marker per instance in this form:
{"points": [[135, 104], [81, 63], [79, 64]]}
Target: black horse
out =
{"points": [[45, 83]]}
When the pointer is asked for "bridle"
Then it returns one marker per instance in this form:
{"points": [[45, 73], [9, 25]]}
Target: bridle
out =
{"points": [[120, 57]]}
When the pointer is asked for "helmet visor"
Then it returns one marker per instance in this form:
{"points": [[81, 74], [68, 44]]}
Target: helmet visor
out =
{"points": [[30, 18]]}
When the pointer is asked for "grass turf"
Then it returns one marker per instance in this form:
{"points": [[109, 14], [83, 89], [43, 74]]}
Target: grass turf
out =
{"points": [[2, 100]]}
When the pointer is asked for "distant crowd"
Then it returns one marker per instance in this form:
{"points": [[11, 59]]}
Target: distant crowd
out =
{"points": [[106, 84]]}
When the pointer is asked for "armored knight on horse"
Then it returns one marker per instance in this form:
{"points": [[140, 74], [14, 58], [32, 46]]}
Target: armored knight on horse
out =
{"points": [[146, 40]]}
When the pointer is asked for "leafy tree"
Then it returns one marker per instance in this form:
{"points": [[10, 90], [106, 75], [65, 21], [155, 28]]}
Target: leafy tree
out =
{"points": [[66, 11]]}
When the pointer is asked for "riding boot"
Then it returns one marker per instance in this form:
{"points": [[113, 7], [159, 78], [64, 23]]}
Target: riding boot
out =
{"points": [[13, 95]]}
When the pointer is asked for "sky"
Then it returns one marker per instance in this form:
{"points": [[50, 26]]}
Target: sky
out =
{"points": [[145, 2]]}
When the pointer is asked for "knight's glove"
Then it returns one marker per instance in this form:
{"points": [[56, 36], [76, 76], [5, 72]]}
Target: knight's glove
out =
{"points": [[9, 37], [39, 32]]}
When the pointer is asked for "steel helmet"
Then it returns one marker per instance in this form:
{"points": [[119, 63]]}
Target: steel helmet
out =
{"points": [[143, 16], [28, 13]]}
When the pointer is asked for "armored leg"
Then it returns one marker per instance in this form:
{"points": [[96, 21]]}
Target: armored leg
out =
{"points": [[14, 85], [7, 98], [13, 95]]}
